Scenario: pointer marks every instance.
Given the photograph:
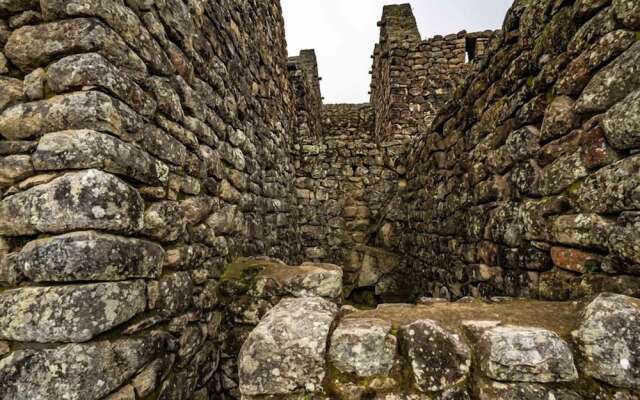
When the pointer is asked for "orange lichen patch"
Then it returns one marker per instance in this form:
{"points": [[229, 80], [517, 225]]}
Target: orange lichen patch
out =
{"points": [[559, 317], [574, 260]]}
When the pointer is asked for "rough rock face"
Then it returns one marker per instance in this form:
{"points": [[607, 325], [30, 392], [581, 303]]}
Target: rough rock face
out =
{"points": [[439, 359], [364, 347], [89, 149], [159, 140], [524, 391], [86, 256], [82, 371], [68, 313], [519, 354], [285, 354], [608, 339], [143, 145], [90, 199]]}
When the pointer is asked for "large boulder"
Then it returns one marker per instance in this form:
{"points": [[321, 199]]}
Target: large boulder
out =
{"points": [[89, 199], [439, 359], [613, 83], [34, 46], [285, 353], [520, 354], [609, 340], [75, 313], [363, 346], [79, 110], [92, 69], [81, 149], [75, 371], [86, 256], [265, 277]]}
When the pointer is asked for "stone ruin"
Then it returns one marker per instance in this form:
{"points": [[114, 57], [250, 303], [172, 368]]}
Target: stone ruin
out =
{"points": [[470, 233]]}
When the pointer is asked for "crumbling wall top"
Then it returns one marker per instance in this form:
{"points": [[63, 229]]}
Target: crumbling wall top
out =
{"points": [[398, 24]]}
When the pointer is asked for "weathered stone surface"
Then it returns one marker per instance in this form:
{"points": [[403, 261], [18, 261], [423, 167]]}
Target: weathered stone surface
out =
{"points": [[588, 230], [613, 83], [82, 110], [121, 19], [575, 260], [125, 393], [164, 146], [628, 11], [34, 84], [68, 313], [14, 168], [171, 294], [509, 353], [86, 256], [167, 98], [35, 46], [16, 6], [89, 199], [285, 353], [80, 149], [609, 340], [77, 71], [11, 92], [151, 376], [611, 189], [624, 243], [265, 277], [559, 118], [364, 347], [580, 71], [165, 221], [439, 359], [524, 391], [75, 371], [622, 123]]}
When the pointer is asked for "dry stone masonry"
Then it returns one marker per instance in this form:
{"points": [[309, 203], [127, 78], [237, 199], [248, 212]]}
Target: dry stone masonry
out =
{"points": [[182, 217]]}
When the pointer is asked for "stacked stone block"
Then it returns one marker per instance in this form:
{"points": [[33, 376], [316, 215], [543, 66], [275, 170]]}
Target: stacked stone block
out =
{"points": [[445, 351], [143, 144]]}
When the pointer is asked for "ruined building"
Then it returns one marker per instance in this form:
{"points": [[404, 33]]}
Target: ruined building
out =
{"points": [[181, 217]]}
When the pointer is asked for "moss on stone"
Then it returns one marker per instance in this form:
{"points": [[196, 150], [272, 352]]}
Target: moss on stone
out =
{"points": [[241, 269]]}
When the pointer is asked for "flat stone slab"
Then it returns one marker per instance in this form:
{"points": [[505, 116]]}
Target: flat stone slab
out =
{"points": [[81, 149], [265, 277], [86, 256], [285, 353], [558, 317], [75, 313]]}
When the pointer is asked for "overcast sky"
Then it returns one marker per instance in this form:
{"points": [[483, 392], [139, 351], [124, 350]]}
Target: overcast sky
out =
{"points": [[343, 33]]}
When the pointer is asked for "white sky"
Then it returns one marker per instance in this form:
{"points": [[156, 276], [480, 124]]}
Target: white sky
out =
{"points": [[344, 32]]}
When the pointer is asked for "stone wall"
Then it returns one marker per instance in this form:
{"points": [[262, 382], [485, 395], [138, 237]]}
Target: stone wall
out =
{"points": [[504, 349], [525, 184], [305, 81], [143, 144], [351, 167], [413, 78], [345, 179]]}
